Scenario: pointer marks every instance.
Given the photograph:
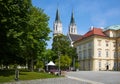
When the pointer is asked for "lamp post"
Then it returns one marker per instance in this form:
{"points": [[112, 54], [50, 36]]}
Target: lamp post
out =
{"points": [[59, 64], [59, 71]]}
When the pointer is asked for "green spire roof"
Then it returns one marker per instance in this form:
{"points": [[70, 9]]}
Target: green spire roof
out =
{"points": [[72, 19], [113, 27], [57, 19]]}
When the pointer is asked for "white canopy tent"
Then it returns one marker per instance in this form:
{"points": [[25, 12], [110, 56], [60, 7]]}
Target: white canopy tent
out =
{"points": [[51, 63]]}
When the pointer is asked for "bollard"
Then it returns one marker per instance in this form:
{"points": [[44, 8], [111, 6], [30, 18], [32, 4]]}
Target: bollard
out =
{"points": [[16, 75]]}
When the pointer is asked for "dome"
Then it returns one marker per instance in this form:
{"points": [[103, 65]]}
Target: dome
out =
{"points": [[113, 27]]}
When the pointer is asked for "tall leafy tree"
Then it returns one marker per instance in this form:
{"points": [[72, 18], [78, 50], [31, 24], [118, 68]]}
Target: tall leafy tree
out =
{"points": [[46, 56], [65, 62], [61, 46], [36, 35], [13, 20], [23, 32]]}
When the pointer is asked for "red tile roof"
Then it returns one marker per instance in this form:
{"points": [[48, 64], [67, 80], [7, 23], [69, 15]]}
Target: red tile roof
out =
{"points": [[93, 31]]}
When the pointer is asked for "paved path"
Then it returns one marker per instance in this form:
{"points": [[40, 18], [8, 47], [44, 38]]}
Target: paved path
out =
{"points": [[63, 80], [81, 77], [96, 77]]}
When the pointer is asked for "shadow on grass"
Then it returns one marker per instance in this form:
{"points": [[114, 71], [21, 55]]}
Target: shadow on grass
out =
{"points": [[23, 74], [7, 73]]}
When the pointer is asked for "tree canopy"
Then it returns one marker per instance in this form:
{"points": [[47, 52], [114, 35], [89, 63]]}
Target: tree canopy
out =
{"points": [[61, 46], [23, 32], [13, 20], [65, 62]]}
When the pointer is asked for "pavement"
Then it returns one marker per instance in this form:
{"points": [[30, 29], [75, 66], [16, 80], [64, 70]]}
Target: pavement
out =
{"points": [[80, 77], [62, 80], [96, 77]]}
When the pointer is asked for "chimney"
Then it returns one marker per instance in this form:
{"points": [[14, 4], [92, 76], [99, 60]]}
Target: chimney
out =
{"points": [[91, 28]]}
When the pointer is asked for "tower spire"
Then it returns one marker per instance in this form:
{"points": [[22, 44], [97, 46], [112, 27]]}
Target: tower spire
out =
{"points": [[72, 19], [72, 26], [57, 19], [57, 24]]}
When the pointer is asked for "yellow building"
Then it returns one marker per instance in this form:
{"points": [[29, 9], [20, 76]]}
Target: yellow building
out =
{"points": [[99, 49]]}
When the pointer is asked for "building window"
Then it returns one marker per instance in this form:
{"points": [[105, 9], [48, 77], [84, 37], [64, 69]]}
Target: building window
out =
{"points": [[115, 66], [56, 27], [99, 65], [114, 54], [84, 45], [99, 53], [107, 62], [107, 43], [99, 42], [89, 52], [89, 44], [89, 65], [118, 54], [118, 44], [80, 55], [79, 47], [72, 30], [107, 53], [84, 54], [114, 44]]}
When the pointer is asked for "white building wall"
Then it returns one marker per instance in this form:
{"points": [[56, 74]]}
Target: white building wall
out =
{"points": [[96, 62], [103, 58], [84, 54]]}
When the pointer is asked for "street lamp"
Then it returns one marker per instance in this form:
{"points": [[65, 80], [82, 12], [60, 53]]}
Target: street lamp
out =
{"points": [[59, 63], [59, 71]]}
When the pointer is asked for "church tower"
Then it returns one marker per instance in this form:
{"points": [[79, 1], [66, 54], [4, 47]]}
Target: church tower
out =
{"points": [[72, 26], [72, 33], [57, 28]]}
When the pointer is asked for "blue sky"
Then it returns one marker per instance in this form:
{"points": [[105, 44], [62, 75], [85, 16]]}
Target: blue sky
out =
{"points": [[87, 13]]}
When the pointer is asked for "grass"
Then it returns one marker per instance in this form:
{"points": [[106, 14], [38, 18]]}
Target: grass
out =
{"points": [[9, 75]]}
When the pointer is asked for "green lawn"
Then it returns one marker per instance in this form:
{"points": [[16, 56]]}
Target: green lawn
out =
{"points": [[9, 76]]}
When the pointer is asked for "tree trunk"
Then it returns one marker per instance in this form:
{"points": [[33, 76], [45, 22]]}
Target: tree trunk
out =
{"points": [[31, 65]]}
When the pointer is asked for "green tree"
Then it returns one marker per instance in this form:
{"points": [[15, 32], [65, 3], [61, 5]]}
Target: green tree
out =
{"points": [[36, 35], [61, 44], [65, 62], [77, 65], [23, 32], [13, 20], [39, 65], [46, 56]]}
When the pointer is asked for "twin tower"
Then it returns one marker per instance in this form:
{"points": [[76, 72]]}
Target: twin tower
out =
{"points": [[57, 28]]}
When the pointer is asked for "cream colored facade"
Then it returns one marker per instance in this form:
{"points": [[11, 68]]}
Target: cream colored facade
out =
{"points": [[99, 52], [94, 55], [104, 52], [117, 58]]}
